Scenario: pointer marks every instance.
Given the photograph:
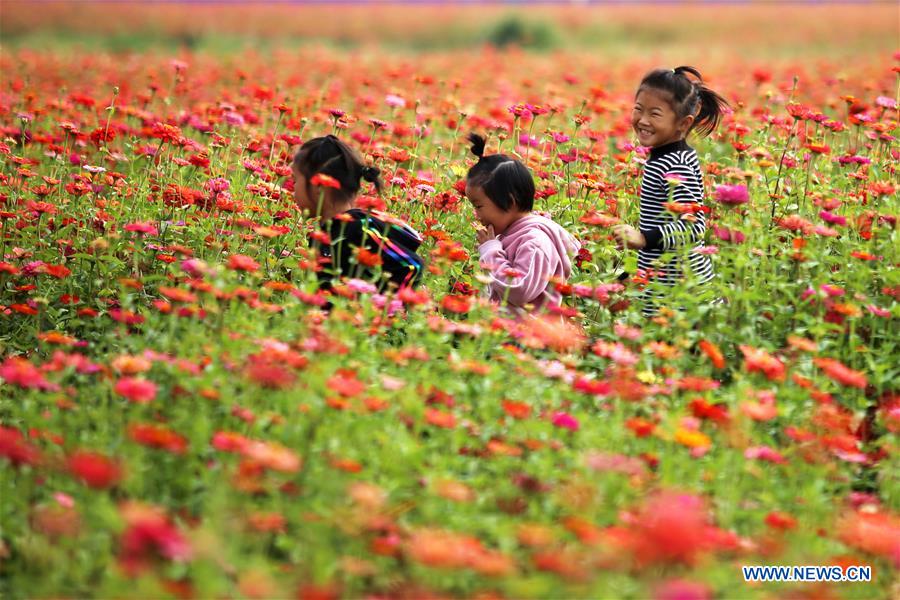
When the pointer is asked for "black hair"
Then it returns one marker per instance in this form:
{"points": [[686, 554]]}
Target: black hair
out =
{"points": [[688, 97], [506, 181], [330, 156]]}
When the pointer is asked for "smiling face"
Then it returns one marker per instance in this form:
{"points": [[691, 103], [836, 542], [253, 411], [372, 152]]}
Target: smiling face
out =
{"points": [[489, 213], [655, 122]]}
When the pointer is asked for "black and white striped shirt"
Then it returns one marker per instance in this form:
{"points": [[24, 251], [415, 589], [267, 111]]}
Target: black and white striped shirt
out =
{"points": [[677, 235]]}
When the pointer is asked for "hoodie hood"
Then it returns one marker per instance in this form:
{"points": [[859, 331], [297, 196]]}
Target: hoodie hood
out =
{"points": [[533, 225]]}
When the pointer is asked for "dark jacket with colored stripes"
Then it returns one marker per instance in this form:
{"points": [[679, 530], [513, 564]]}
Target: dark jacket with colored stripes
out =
{"points": [[385, 236]]}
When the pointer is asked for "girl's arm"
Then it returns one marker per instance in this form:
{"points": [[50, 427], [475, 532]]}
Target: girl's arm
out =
{"points": [[687, 229], [520, 281]]}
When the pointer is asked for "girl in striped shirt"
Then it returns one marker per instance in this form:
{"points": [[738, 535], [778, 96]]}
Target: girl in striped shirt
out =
{"points": [[669, 104]]}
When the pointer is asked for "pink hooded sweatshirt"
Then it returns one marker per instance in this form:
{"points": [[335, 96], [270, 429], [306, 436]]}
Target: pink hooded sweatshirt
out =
{"points": [[523, 258]]}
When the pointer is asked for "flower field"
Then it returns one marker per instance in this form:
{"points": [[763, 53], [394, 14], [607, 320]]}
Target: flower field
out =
{"points": [[179, 417]]}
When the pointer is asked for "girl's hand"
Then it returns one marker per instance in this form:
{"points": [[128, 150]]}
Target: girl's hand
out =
{"points": [[628, 236], [483, 234]]}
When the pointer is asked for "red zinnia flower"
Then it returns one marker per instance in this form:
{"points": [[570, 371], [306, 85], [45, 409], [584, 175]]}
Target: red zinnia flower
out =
{"points": [[517, 410], [456, 304], [704, 410], [640, 427], [321, 179], [760, 360], [229, 441], [440, 418], [240, 262], [149, 535], [671, 528], [157, 436], [166, 132], [780, 520], [842, 374], [15, 449], [16, 370], [136, 389], [58, 271], [94, 469], [345, 383], [270, 374]]}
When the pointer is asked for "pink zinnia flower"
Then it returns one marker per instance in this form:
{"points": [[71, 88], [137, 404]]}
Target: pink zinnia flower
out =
{"points": [[141, 227], [395, 101], [673, 179], [764, 453], [878, 311], [361, 286], [678, 589], [380, 301], [64, 500], [233, 118], [566, 421], [732, 195], [729, 235], [529, 140], [217, 184], [832, 218], [885, 102], [194, 267]]}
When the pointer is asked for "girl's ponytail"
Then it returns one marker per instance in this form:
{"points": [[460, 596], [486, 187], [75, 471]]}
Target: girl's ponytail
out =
{"points": [[686, 69], [478, 144], [706, 105], [371, 174], [712, 107]]}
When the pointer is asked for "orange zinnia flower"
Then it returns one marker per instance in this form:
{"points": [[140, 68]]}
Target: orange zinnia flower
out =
{"points": [[517, 410], [440, 418], [713, 353], [368, 258], [692, 438]]}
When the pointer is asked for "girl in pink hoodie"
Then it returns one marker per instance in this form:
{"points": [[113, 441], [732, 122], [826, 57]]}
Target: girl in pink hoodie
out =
{"points": [[522, 251]]}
